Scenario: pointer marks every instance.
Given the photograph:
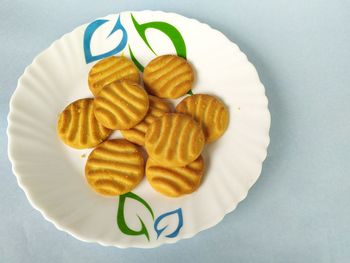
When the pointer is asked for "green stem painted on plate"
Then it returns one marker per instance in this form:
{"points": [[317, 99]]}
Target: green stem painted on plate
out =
{"points": [[121, 216], [136, 62], [171, 31]]}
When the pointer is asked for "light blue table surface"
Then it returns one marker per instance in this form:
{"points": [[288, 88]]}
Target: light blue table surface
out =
{"points": [[298, 211]]}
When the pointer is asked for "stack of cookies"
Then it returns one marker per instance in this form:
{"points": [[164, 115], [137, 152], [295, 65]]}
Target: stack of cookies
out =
{"points": [[173, 141]]}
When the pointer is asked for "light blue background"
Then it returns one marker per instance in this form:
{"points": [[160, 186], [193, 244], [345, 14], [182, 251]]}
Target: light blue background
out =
{"points": [[298, 211]]}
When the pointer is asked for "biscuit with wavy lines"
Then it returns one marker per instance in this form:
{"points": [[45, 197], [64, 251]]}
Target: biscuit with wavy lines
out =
{"points": [[121, 105], [78, 127], [174, 139], [109, 70], [168, 76], [175, 181], [157, 108], [209, 111], [115, 167]]}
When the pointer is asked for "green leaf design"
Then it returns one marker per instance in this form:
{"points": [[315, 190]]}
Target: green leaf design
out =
{"points": [[121, 217], [168, 29], [171, 31], [136, 62]]}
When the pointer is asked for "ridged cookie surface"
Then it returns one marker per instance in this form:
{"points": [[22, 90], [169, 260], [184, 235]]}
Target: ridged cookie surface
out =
{"points": [[157, 108], [109, 70], [209, 111], [78, 127], [121, 105], [168, 76], [115, 167], [175, 181], [174, 139]]}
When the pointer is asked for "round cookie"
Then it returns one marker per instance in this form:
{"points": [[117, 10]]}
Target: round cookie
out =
{"points": [[168, 76], [109, 70], [121, 105], [209, 111], [78, 127], [157, 108], [174, 139], [175, 181], [115, 167]]}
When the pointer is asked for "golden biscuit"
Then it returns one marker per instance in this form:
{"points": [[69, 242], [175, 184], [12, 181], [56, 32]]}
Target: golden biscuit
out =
{"points": [[78, 127], [209, 111], [109, 70], [168, 76], [115, 167], [174, 140], [175, 181], [157, 108], [121, 105]]}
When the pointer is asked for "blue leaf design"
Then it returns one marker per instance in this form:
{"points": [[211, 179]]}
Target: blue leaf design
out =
{"points": [[161, 217], [90, 30]]}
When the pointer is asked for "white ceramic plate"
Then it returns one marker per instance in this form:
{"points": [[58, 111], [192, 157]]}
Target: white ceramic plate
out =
{"points": [[52, 174]]}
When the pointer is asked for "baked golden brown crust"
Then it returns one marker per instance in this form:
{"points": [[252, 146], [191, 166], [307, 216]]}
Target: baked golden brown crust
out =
{"points": [[168, 76], [175, 181], [174, 139], [209, 111], [121, 105], [115, 167], [157, 108], [78, 127], [109, 70]]}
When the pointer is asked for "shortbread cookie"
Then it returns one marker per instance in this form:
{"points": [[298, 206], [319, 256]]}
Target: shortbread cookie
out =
{"points": [[115, 167], [209, 111], [157, 108], [168, 76], [174, 139], [175, 181], [121, 105], [109, 70], [78, 127]]}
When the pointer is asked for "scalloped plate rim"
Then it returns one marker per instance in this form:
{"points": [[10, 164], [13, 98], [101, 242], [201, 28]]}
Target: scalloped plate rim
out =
{"points": [[189, 235]]}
